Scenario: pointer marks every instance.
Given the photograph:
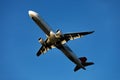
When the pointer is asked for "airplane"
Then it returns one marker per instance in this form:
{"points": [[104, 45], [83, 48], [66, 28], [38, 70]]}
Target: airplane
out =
{"points": [[58, 40]]}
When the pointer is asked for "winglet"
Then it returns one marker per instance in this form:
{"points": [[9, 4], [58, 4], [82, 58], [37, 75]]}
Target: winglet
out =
{"points": [[92, 32]]}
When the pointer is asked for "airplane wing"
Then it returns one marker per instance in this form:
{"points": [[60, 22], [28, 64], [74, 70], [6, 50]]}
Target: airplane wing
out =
{"points": [[72, 36], [42, 50]]}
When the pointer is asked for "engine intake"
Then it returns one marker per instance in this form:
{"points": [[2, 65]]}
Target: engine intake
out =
{"points": [[41, 41], [58, 33]]}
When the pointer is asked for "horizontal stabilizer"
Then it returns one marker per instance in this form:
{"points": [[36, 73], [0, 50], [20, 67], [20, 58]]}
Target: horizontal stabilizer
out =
{"points": [[87, 64], [84, 63]]}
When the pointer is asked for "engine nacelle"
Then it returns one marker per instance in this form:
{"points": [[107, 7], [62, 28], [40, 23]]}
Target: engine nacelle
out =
{"points": [[41, 41], [58, 33]]}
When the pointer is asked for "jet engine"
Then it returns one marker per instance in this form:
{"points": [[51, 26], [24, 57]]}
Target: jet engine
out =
{"points": [[58, 33], [41, 41]]}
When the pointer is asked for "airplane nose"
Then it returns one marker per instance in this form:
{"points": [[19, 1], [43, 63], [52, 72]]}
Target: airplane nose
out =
{"points": [[32, 13]]}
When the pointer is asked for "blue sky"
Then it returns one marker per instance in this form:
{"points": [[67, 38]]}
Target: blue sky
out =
{"points": [[19, 39]]}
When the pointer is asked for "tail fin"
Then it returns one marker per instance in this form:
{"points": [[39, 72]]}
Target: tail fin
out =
{"points": [[84, 63]]}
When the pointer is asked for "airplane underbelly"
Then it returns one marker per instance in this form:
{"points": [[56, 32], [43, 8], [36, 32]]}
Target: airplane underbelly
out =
{"points": [[69, 54]]}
